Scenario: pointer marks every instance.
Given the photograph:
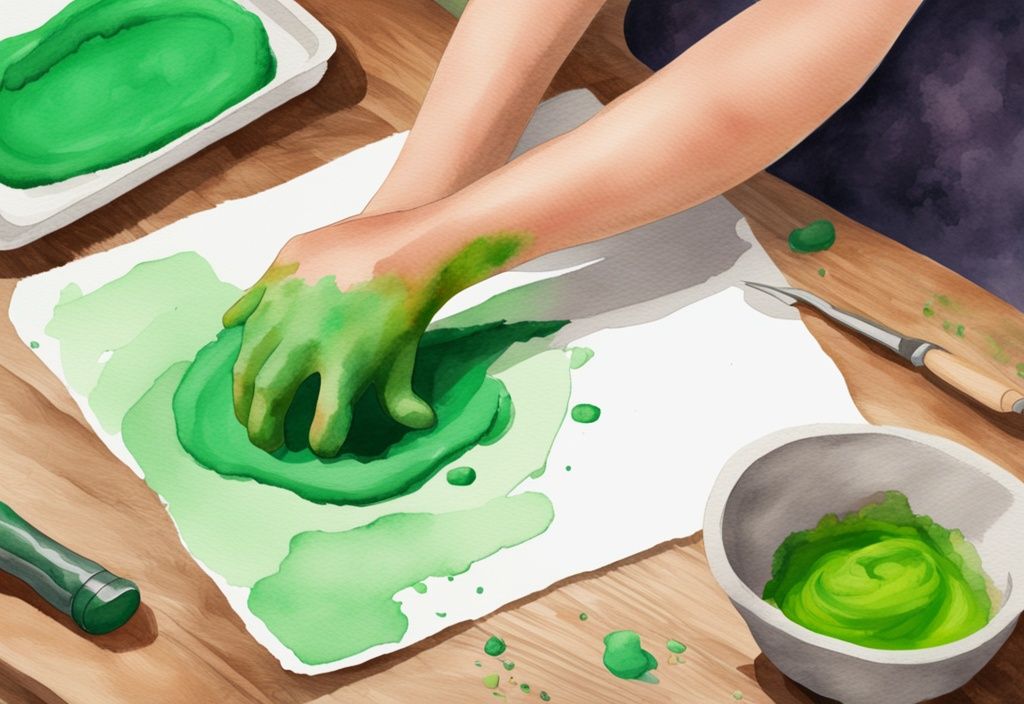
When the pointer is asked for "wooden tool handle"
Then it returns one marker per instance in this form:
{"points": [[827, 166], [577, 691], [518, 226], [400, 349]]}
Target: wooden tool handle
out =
{"points": [[970, 379]]}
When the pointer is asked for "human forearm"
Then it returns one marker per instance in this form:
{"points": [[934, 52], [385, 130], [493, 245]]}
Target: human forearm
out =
{"points": [[500, 60], [727, 108]]}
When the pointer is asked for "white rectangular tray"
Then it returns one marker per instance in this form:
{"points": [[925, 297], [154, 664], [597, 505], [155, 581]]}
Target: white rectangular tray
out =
{"points": [[302, 46]]}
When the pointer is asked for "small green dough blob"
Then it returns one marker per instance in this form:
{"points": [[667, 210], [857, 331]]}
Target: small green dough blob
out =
{"points": [[545, 697], [106, 81], [624, 658], [492, 681], [494, 646], [461, 476], [816, 237], [585, 413], [676, 647], [380, 459], [882, 577]]}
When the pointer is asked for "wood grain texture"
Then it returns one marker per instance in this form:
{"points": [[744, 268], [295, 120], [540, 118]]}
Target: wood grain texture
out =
{"points": [[187, 645]]}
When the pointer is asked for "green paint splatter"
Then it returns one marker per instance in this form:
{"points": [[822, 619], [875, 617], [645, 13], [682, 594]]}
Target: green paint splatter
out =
{"points": [[154, 71], [479, 590], [1020, 370], [441, 614], [420, 588], [822, 272], [675, 647], [461, 476], [319, 626], [960, 330], [996, 350], [524, 688], [508, 665], [494, 646], [225, 522], [816, 237], [928, 310], [568, 468], [34, 344], [624, 658], [926, 588], [583, 616], [477, 663], [544, 696], [580, 356], [585, 413], [946, 325], [944, 301], [492, 681]]}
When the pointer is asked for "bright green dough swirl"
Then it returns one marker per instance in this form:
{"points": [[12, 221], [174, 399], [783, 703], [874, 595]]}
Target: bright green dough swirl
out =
{"points": [[380, 459], [106, 81], [883, 578]]}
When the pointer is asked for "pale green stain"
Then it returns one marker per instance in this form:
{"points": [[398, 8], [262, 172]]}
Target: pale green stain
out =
{"points": [[882, 577], [212, 512], [625, 658], [492, 681], [578, 356], [737, 695], [1020, 370], [997, 351]]}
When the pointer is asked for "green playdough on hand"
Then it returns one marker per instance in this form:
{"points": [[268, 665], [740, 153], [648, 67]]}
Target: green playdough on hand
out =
{"points": [[816, 237], [106, 81], [380, 459], [624, 658], [882, 577]]}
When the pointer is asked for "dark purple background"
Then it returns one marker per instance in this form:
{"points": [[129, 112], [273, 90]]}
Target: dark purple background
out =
{"points": [[929, 152]]}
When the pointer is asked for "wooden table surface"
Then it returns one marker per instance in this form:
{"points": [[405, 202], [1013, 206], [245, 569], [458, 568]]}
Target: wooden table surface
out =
{"points": [[186, 644]]}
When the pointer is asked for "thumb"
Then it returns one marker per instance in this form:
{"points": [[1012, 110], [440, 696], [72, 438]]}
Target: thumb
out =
{"points": [[394, 390]]}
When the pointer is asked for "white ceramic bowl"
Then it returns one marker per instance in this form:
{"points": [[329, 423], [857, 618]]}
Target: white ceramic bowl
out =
{"points": [[787, 481]]}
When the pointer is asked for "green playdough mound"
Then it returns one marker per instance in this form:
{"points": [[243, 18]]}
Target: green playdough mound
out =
{"points": [[106, 81], [381, 459]]}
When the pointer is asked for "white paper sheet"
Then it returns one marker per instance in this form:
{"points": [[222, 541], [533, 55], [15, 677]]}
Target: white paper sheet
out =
{"points": [[685, 370]]}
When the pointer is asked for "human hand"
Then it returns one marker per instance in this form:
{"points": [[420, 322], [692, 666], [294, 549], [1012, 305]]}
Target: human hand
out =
{"points": [[344, 302]]}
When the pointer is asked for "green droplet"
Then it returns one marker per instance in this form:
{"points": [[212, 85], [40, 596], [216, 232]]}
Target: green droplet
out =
{"points": [[579, 356], [960, 330], [583, 616], [441, 614], [494, 646], [478, 663], [675, 646], [568, 467], [479, 590], [928, 310], [1020, 370], [545, 697], [461, 476], [450, 578], [816, 237], [492, 681], [585, 413], [508, 665], [420, 588], [944, 301], [624, 658], [525, 688], [34, 345], [821, 272], [737, 695]]}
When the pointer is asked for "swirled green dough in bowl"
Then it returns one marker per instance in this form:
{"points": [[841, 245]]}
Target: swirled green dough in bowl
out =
{"points": [[882, 577], [380, 459], [106, 81]]}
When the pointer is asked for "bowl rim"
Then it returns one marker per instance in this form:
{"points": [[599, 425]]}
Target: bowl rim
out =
{"points": [[745, 597]]}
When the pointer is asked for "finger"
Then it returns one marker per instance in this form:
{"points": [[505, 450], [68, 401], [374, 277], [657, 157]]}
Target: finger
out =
{"points": [[258, 342], [273, 393], [240, 311], [395, 392], [333, 416]]}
